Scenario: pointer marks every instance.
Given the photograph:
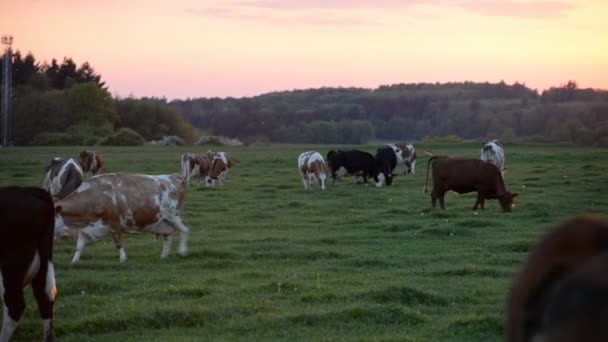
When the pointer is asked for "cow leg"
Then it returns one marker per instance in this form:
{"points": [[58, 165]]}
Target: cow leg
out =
{"points": [[434, 198], [413, 171], [311, 179], [117, 237], [11, 291], [183, 234], [442, 200], [477, 201], [322, 181], [305, 181], [80, 243], [45, 291], [167, 239]]}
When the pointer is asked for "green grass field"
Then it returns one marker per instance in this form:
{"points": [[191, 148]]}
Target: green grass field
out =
{"points": [[270, 261]]}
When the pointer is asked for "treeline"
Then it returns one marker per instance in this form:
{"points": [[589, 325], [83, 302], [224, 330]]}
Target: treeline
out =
{"points": [[68, 104], [408, 112]]}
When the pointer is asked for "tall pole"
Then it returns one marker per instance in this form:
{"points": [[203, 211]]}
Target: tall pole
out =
{"points": [[5, 122]]}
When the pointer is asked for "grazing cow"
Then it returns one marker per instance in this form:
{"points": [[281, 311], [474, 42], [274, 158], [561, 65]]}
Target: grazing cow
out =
{"points": [[195, 165], [63, 176], [26, 256], [120, 203], [220, 166], [464, 175], [406, 154], [493, 152], [351, 163], [386, 161], [91, 161], [561, 292], [311, 166]]}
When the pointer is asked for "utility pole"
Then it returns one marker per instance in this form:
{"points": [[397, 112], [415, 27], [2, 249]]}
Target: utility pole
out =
{"points": [[6, 120]]}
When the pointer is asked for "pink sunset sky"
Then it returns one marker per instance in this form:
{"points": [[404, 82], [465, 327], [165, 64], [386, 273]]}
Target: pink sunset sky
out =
{"points": [[187, 48]]}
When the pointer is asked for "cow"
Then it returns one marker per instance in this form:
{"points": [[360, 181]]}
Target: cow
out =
{"points": [[561, 291], [120, 203], [493, 152], [195, 165], [406, 154], [351, 163], [221, 163], [26, 256], [91, 161], [62, 177], [386, 161], [464, 175], [312, 166]]}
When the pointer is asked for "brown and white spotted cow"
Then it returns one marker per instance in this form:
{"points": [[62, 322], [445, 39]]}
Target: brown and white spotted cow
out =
{"points": [[26, 256], [311, 165], [406, 154], [62, 177], [91, 161], [196, 165], [120, 203], [561, 292], [220, 166]]}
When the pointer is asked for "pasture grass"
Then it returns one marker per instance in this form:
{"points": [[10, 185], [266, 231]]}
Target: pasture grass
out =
{"points": [[270, 261]]}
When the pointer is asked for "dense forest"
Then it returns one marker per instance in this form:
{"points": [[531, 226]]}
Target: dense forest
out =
{"points": [[66, 104], [409, 112]]}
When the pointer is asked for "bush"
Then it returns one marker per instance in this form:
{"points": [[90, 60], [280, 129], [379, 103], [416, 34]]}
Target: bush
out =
{"points": [[123, 137], [58, 139], [449, 139]]}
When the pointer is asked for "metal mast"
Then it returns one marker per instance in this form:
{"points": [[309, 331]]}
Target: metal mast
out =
{"points": [[5, 120]]}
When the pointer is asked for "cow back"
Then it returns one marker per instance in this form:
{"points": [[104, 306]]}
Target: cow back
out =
{"points": [[132, 201]]}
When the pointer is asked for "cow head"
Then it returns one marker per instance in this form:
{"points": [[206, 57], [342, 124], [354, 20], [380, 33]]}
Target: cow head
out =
{"points": [[506, 201], [86, 159]]}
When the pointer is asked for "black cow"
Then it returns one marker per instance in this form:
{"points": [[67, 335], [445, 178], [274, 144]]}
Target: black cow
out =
{"points": [[26, 254], [386, 161], [464, 175], [351, 163], [63, 176]]}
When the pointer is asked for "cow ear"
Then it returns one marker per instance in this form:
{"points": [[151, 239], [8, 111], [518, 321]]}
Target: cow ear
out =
{"points": [[58, 209], [514, 194]]}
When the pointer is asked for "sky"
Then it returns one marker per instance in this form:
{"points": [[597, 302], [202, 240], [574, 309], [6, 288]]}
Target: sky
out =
{"points": [[212, 48]]}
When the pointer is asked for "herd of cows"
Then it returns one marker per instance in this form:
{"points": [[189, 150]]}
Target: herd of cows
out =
{"points": [[561, 293]]}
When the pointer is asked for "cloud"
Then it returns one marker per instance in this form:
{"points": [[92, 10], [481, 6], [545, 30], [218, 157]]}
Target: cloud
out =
{"points": [[290, 18], [510, 8], [350, 12]]}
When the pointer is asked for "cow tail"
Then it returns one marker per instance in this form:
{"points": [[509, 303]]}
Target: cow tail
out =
{"points": [[426, 182]]}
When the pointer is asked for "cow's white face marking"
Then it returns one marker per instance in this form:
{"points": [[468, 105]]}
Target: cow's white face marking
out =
{"points": [[380, 180]]}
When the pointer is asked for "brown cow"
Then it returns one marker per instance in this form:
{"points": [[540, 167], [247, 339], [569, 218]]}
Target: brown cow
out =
{"points": [[561, 292], [196, 165], [122, 203], [464, 175], [91, 161], [220, 166]]}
